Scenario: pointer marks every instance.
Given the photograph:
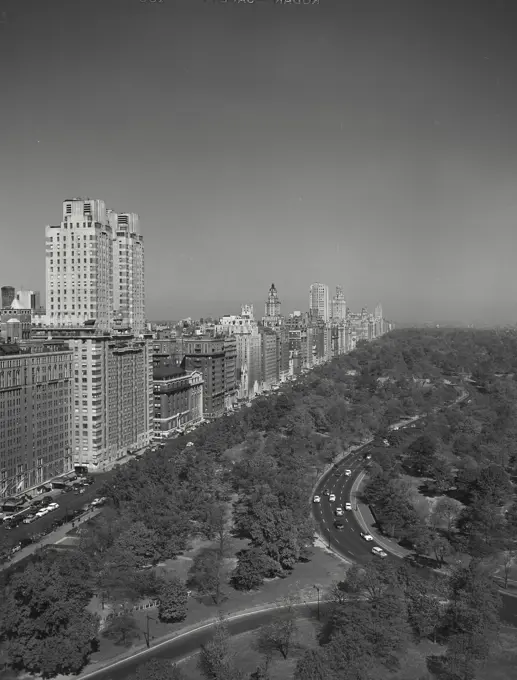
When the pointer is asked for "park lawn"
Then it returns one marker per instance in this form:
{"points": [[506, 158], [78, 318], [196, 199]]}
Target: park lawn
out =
{"points": [[323, 570], [413, 664]]}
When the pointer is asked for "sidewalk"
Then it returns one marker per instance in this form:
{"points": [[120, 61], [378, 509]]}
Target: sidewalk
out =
{"points": [[56, 536]]}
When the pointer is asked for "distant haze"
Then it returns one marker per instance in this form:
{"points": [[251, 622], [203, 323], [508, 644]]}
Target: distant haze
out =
{"points": [[364, 143]]}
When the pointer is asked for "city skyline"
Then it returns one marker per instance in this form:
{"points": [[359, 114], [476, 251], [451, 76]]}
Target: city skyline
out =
{"points": [[351, 150]]}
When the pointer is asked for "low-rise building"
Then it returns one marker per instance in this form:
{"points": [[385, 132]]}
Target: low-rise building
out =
{"points": [[178, 396]]}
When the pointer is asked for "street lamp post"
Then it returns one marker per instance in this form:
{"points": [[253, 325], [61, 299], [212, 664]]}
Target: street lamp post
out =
{"points": [[146, 635], [318, 591]]}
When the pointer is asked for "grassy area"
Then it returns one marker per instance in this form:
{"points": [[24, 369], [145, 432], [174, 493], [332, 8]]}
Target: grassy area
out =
{"points": [[413, 664], [322, 570]]}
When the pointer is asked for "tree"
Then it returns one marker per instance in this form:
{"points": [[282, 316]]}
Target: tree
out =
{"points": [[348, 655], [122, 629], [43, 619], [441, 548], [157, 669], [424, 615], [216, 660], [252, 567], [278, 635], [173, 598], [314, 665], [447, 511], [205, 574]]}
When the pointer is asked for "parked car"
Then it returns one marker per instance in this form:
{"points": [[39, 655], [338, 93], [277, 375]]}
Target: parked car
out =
{"points": [[379, 552]]}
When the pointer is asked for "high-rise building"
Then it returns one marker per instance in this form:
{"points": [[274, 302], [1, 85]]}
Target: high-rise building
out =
{"points": [[113, 394], [79, 266], [36, 401], [7, 296], [339, 305], [128, 272], [272, 308], [319, 303]]}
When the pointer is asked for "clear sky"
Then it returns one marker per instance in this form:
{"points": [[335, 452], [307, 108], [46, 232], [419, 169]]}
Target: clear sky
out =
{"points": [[366, 143]]}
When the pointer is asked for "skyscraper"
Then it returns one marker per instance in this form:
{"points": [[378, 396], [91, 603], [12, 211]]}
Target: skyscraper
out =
{"points": [[319, 304], [128, 272], [7, 296], [272, 308], [79, 266], [339, 305]]}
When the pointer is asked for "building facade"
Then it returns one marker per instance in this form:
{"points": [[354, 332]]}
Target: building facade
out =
{"points": [[113, 394], [339, 305], [178, 397], [215, 358], [79, 266], [319, 302], [128, 272], [272, 309], [36, 400]]}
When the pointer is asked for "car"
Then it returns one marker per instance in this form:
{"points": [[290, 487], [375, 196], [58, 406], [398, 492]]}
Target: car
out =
{"points": [[326, 492], [348, 506], [348, 473], [379, 552], [29, 519], [16, 548], [368, 456], [316, 499], [396, 427], [339, 511], [53, 506], [367, 537], [332, 498], [339, 526]]}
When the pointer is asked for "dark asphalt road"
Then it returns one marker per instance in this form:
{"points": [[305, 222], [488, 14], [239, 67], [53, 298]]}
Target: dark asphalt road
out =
{"points": [[189, 643], [348, 541], [67, 503]]}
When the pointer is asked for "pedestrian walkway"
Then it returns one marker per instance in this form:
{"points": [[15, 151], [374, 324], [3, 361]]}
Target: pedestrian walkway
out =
{"points": [[54, 537]]}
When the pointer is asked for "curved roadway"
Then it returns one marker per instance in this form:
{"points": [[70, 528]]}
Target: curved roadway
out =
{"points": [[188, 643], [347, 542]]}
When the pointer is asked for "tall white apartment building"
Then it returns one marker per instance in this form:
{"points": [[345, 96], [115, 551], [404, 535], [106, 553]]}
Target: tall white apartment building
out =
{"points": [[128, 272], [113, 406], [319, 301], [79, 266]]}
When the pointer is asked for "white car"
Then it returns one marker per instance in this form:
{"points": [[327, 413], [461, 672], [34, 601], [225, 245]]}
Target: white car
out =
{"points": [[367, 537], [396, 427], [316, 499], [348, 506], [53, 506], [29, 519], [379, 552], [348, 473], [339, 511], [332, 498]]}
